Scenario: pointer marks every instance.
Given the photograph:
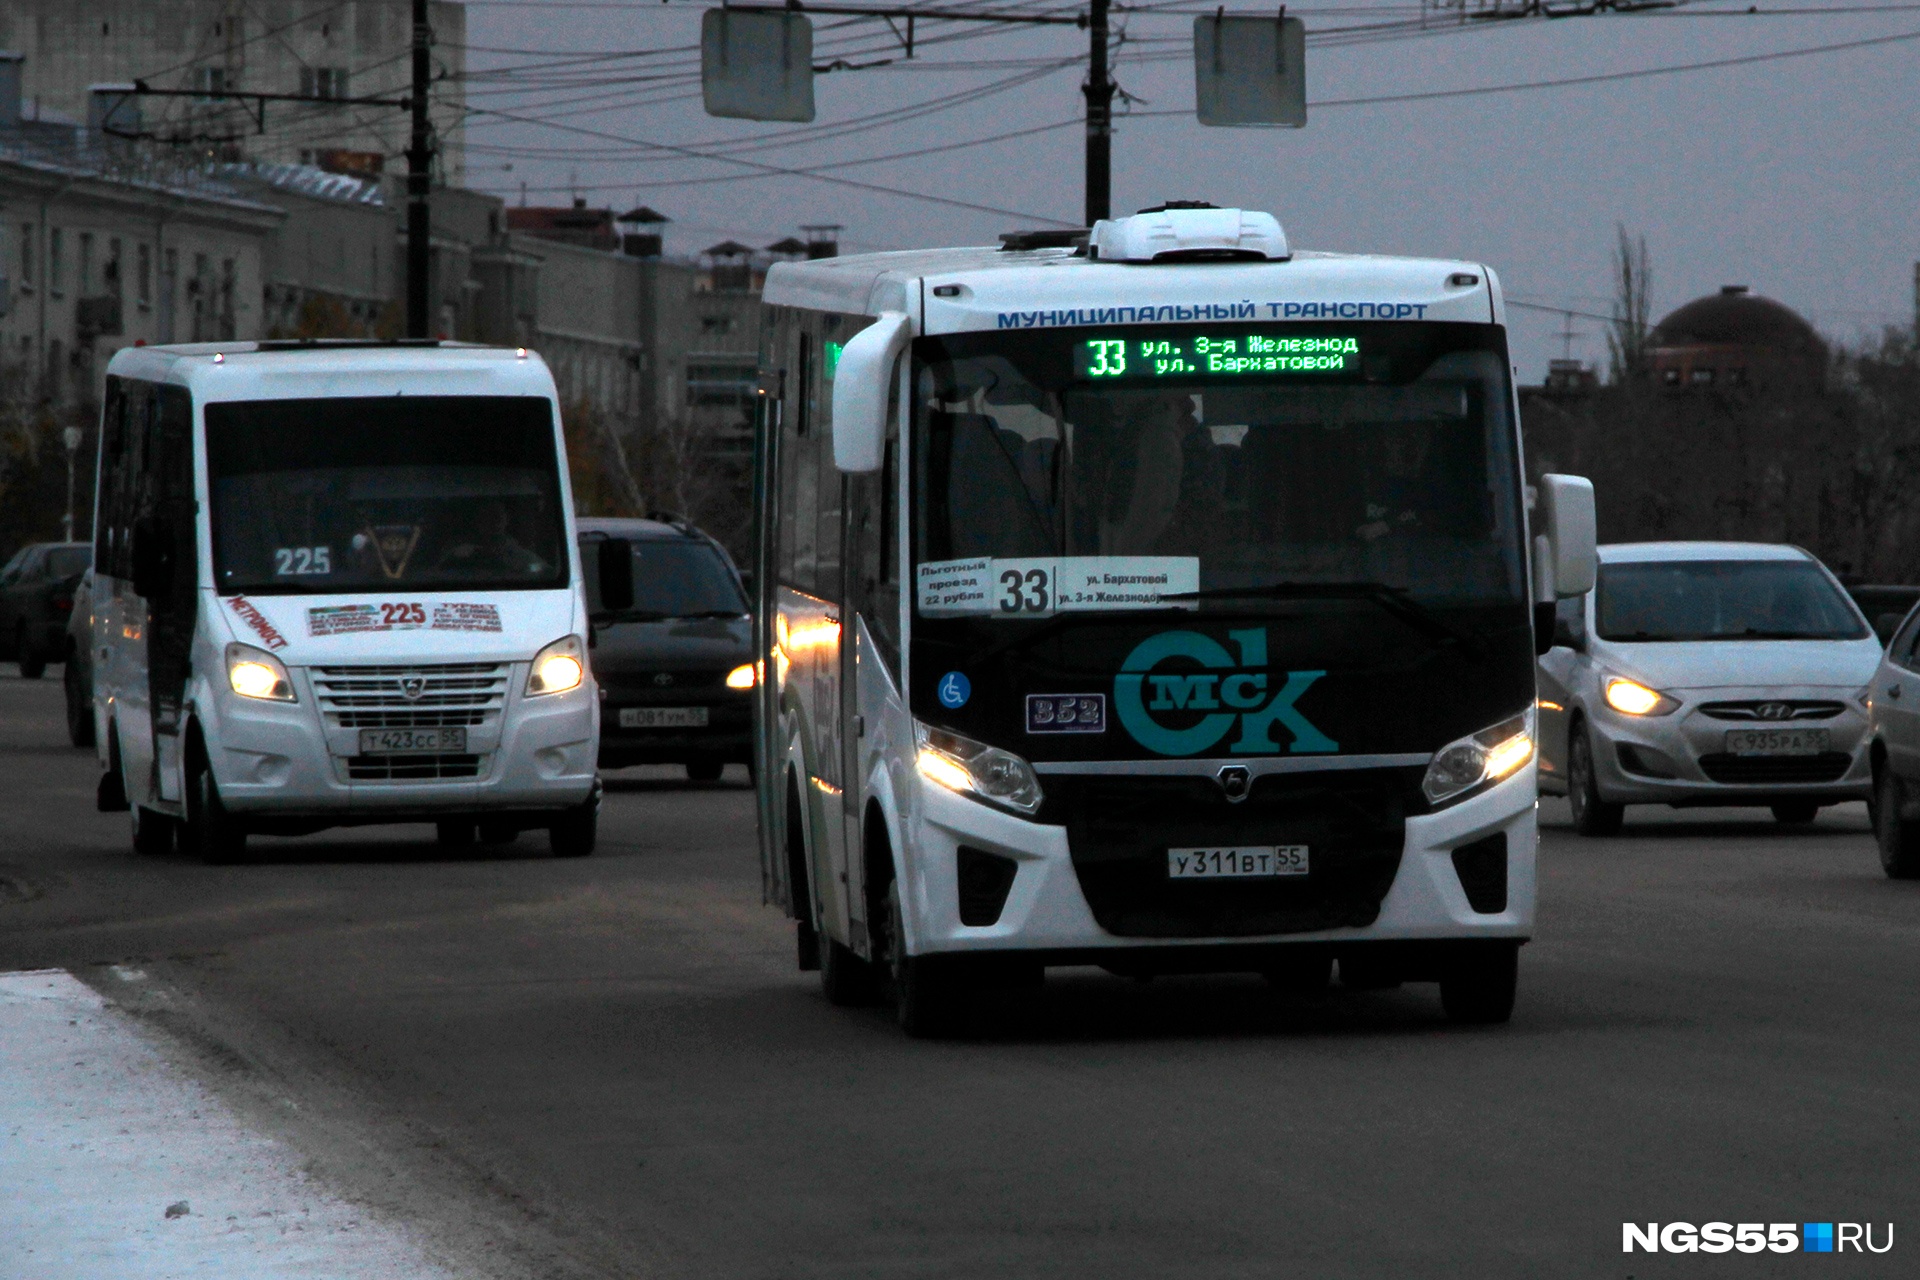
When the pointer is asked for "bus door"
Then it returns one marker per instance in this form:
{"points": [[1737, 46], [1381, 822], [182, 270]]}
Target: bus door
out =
{"points": [[166, 573], [870, 645]]}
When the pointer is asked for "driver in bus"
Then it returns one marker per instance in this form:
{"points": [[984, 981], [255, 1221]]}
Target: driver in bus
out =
{"points": [[487, 547], [1401, 488], [1145, 473]]}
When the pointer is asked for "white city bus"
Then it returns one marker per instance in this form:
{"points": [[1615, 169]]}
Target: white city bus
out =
{"points": [[337, 584], [1165, 603]]}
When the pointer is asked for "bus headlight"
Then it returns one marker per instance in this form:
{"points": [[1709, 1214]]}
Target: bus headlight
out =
{"points": [[557, 668], [1487, 756], [741, 677], [255, 673], [1630, 697], [975, 769]]}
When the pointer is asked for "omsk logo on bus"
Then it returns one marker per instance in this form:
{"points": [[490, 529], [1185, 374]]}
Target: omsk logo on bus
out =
{"points": [[1227, 693]]}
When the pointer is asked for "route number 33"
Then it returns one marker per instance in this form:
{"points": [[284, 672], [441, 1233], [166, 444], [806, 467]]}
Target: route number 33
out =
{"points": [[1025, 592]]}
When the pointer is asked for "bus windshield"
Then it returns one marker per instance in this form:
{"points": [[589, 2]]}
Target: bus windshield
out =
{"points": [[410, 493], [1133, 465]]}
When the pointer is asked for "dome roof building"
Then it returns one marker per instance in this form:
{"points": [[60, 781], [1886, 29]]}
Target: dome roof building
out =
{"points": [[1736, 339]]}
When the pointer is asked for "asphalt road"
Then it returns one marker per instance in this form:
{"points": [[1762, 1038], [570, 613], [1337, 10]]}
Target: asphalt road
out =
{"points": [[610, 1067]]}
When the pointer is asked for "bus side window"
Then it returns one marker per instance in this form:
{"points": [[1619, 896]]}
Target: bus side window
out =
{"points": [[798, 475], [113, 435], [833, 487]]}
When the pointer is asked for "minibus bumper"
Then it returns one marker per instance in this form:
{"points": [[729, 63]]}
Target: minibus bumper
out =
{"points": [[278, 760], [1046, 914]]}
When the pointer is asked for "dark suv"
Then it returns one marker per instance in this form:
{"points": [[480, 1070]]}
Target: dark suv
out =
{"points": [[672, 646], [36, 595]]}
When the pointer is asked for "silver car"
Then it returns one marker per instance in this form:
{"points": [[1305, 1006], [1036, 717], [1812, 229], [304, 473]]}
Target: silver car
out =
{"points": [[1706, 673]]}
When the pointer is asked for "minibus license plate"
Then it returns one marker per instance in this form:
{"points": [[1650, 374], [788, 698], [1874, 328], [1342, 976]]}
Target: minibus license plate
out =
{"points": [[663, 717], [1242, 862], [387, 742], [1777, 742]]}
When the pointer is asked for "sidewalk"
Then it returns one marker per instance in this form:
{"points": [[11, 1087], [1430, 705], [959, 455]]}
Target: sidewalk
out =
{"points": [[117, 1165]]}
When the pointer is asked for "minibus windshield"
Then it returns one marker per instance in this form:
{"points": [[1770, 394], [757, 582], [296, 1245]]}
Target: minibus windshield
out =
{"points": [[1229, 466], [406, 493]]}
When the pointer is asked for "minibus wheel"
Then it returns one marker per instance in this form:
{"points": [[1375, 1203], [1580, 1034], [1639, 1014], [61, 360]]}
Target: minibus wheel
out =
{"points": [[1479, 981], [152, 833], [214, 833], [576, 833], [927, 993]]}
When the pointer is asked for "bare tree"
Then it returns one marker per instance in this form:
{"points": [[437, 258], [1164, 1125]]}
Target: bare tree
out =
{"points": [[1632, 305]]}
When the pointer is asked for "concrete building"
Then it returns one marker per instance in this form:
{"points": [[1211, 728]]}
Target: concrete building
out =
{"points": [[323, 48]]}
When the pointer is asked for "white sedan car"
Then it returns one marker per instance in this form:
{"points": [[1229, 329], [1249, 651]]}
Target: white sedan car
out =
{"points": [[1706, 673]]}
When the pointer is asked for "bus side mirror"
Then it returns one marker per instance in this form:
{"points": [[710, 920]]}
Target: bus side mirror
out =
{"points": [[1566, 555], [616, 575], [861, 392]]}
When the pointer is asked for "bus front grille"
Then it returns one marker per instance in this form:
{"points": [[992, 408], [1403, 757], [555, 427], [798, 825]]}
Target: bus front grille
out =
{"points": [[412, 768], [1119, 828], [411, 697]]}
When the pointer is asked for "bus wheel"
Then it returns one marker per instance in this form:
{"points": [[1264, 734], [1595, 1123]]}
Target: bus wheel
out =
{"points": [[79, 704], [152, 833], [1479, 982], [578, 830], [927, 995], [33, 663], [213, 833]]}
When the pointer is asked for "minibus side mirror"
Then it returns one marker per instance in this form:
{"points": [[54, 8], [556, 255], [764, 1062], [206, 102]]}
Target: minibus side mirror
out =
{"points": [[861, 390], [1565, 548], [151, 563], [616, 575]]}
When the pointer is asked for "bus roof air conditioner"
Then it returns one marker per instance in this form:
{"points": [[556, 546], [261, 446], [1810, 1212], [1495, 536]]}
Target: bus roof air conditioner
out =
{"points": [[1191, 231], [861, 384]]}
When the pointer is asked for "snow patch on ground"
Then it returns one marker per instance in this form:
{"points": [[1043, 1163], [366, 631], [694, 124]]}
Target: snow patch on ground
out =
{"points": [[116, 1163]]}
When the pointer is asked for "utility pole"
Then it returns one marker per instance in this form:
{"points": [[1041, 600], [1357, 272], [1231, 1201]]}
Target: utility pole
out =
{"points": [[419, 178], [1099, 93]]}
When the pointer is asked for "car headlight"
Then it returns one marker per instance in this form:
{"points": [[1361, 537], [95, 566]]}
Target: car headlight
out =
{"points": [[741, 677], [975, 769], [557, 668], [1484, 757], [255, 673], [1630, 697]]}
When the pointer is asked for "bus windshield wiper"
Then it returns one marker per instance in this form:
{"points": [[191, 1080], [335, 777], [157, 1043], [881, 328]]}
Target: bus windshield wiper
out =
{"points": [[1391, 599]]}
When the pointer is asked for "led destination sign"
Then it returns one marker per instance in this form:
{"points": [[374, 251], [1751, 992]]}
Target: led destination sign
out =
{"points": [[1213, 355]]}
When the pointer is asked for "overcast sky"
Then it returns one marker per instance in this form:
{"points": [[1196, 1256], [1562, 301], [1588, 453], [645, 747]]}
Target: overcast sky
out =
{"points": [[1797, 176]]}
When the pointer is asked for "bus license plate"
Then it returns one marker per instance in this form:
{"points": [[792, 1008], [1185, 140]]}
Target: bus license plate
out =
{"points": [[663, 717], [1777, 742], [1240, 862], [389, 742]]}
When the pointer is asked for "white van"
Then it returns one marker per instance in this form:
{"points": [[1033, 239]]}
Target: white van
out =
{"points": [[338, 584]]}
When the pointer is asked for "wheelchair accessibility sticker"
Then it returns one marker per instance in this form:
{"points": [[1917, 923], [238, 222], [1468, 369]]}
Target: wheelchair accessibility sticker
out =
{"points": [[1224, 693]]}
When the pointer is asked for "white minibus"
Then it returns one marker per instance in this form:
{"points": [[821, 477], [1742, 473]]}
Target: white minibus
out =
{"points": [[1164, 600], [337, 584]]}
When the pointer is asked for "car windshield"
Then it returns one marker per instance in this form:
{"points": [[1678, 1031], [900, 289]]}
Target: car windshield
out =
{"points": [[1185, 461], [401, 493], [1722, 600], [64, 562], [676, 579]]}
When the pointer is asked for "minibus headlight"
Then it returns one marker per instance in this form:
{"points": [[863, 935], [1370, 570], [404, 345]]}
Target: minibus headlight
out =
{"points": [[557, 668], [741, 677], [1487, 756], [1630, 697], [975, 769], [255, 673]]}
